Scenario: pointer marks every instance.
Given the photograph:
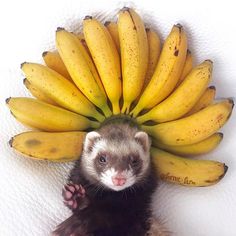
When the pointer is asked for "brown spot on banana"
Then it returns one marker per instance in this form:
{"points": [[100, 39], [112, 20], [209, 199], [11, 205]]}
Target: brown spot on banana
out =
{"points": [[211, 181], [219, 117], [176, 53], [219, 177], [32, 142], [53, 150]]}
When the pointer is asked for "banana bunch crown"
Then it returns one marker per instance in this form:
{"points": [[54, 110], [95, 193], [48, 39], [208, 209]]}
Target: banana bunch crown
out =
{"points": [[120, 72]]}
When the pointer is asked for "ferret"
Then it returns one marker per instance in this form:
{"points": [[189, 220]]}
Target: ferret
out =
{"points": [[110, 187]]}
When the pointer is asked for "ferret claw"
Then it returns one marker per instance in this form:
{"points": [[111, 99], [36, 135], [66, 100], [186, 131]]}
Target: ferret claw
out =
{"points": [[72, 194]]}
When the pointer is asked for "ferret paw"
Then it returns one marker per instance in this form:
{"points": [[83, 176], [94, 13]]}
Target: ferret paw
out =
{"points": [[74, 196]]}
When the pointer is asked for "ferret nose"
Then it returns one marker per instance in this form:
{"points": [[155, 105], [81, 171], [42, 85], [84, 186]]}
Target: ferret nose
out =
{"points": [[118, 181]]}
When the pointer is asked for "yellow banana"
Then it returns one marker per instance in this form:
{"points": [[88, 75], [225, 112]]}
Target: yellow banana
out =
{"points": [[154, 46], [59, 89], [106, 59], [54, 61], [81, 36], [205, 100], [183, 98], [88, 57], [58, 147], [112, 27], [188, 66], [81, 68], [188, 172], [202, 147], [167, 72], [134, 55], [194, 128], [37, 93], [83, 42], [47, 117]]}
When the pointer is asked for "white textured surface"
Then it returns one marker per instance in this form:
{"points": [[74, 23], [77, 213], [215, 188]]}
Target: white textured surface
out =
{"points": [[30, 195]]}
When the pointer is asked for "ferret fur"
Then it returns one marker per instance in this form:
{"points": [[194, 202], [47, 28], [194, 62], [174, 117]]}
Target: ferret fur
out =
{"points": [[114, 212]]}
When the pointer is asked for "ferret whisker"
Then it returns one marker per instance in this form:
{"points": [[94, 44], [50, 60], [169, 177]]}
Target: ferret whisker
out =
{"points": [[97, 189], [130, 190], [94, 189], [102, 188], [134, 189], [124, 195], [88, 186]]}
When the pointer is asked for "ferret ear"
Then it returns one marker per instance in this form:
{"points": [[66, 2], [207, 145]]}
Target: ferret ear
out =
{"points": [[90, 139], [143, 139]]}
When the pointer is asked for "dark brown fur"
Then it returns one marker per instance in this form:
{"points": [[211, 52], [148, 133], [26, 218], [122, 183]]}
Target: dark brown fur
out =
{"points": [[113, 213]]}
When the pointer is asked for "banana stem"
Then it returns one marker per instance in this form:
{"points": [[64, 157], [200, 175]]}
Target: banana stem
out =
{"points": [[106, 110], [148, 129], [126, 107], [143, 118], [94, 124], [135, 111], [99, 117], [116, 108]]}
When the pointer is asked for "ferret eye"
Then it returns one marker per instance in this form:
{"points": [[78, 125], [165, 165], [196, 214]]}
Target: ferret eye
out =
{"points": [[134, 160], [102, 159]]}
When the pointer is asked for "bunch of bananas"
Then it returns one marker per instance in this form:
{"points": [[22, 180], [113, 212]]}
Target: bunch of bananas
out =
{"points": [[119, 69]]}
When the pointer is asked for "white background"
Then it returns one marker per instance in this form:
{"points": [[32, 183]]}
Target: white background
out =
{"points": [[30, 191]]}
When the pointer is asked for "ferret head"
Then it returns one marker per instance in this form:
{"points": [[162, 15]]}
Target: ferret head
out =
{"points": [[116, 157]]}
